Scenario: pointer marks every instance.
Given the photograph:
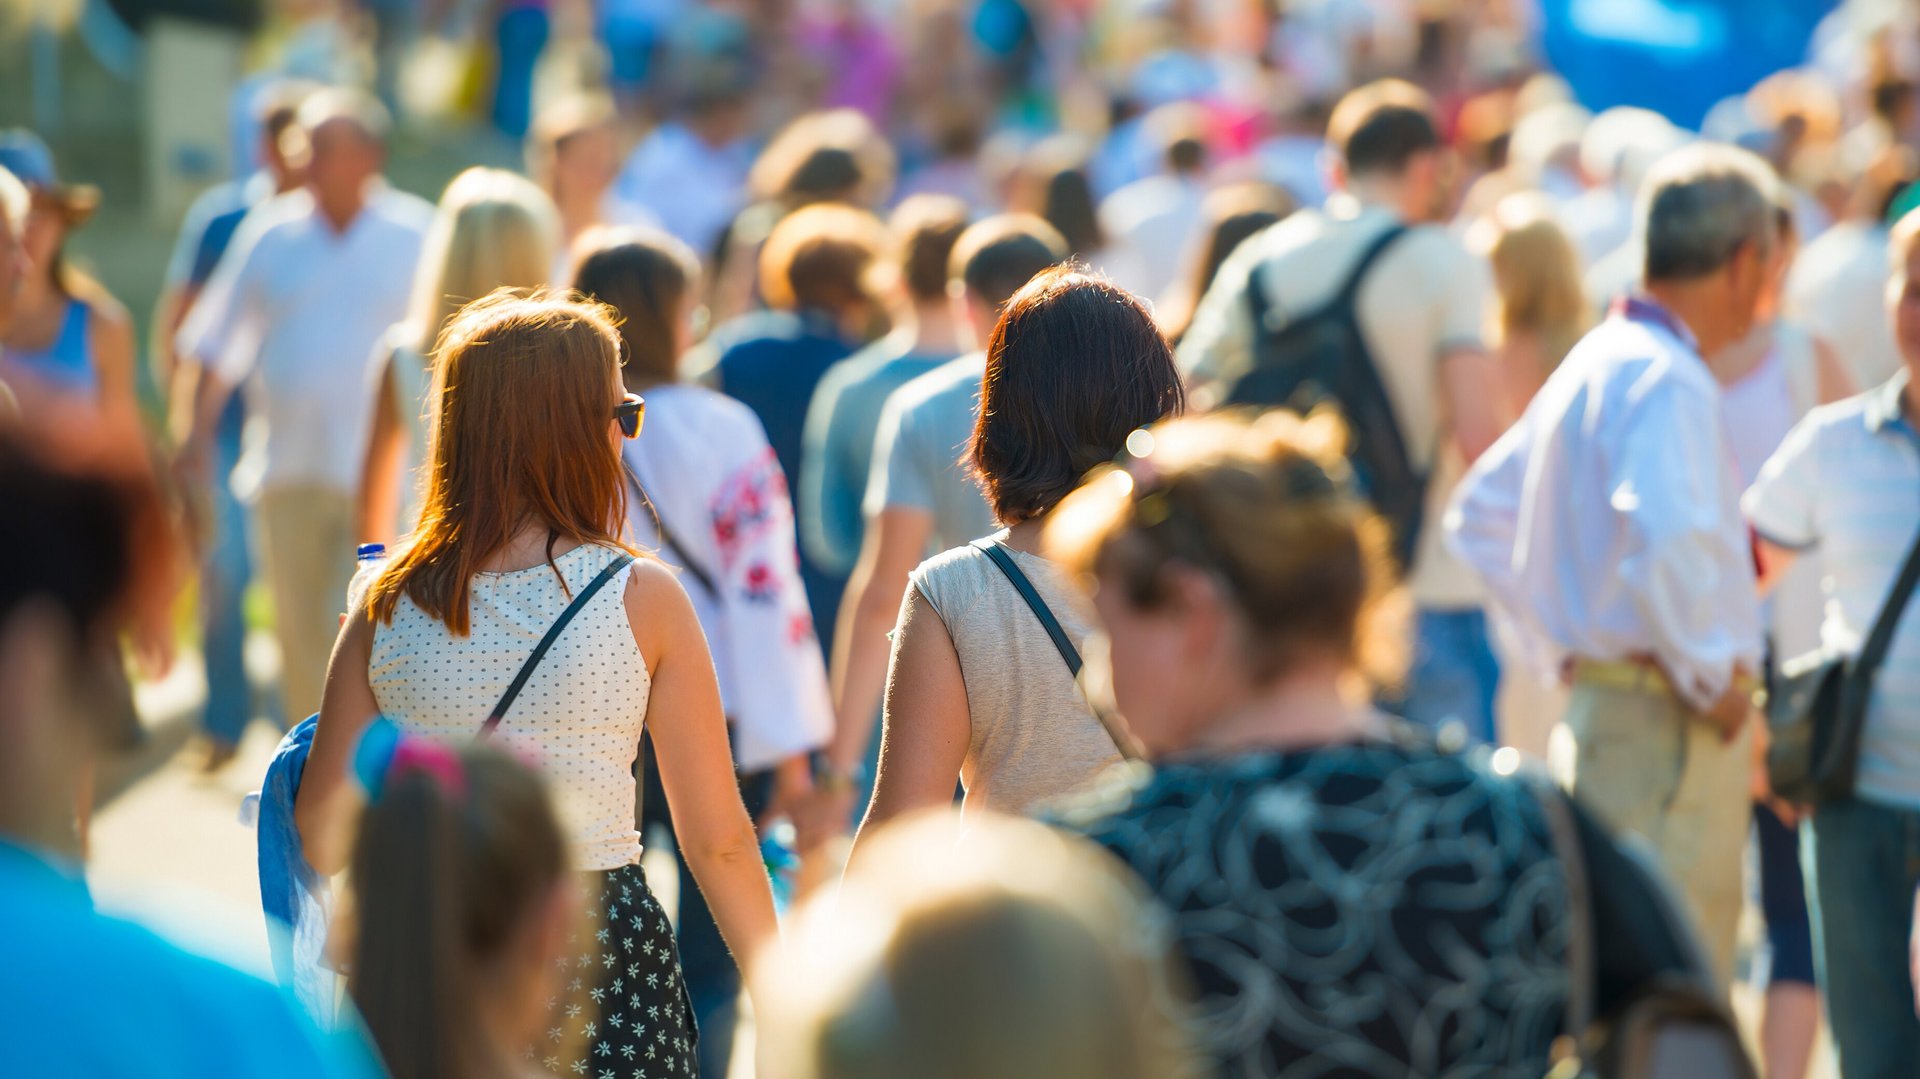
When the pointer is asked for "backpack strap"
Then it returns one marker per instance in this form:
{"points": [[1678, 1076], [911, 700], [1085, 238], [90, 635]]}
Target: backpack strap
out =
{"points": [[1350, 288], [553, 633]]}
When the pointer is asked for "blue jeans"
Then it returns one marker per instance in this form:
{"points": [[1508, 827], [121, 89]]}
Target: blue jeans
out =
{"points": [[223, 585], [1864, 864], [1455, 675]]}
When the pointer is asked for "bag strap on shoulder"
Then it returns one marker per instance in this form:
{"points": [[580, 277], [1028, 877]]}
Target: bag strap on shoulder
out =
{"points": [[1880, 639], [668, 536], [1350, 288], [997, 552], [580, 600]]}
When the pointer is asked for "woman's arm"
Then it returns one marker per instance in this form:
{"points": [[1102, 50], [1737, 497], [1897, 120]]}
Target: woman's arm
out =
{"points": [[925, 727], [324, 807], [380, 472], [696, 764], [113, 350]]}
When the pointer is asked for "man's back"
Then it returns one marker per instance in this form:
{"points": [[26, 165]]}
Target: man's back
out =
{"points": [[924, 432], [843, 423], [1424, 297]]}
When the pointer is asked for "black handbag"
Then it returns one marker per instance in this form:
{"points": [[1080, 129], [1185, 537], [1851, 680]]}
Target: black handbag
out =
{"points": [[1819, 705]]}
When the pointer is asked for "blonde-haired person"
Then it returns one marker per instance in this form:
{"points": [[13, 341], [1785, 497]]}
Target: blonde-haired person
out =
{"points": [[524, 509], [1540, 305], [1540, 311], [1312, 851], [1008, 950], [493, 229]]}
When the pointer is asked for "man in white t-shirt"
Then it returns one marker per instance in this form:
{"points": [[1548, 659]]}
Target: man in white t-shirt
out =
{"points": [[1151, 222], [1421, 309], [312, 280]]}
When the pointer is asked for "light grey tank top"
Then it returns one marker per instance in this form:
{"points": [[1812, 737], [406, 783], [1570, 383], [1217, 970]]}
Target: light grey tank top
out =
{"points": [[1033, 737]]}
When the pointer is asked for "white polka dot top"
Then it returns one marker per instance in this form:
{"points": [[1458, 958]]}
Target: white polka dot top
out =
{"points": [[578, 717]]}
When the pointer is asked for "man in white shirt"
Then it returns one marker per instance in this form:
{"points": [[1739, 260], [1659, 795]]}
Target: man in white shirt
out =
{"points": [[1606, 525], [309, 285], [1150, 223], [1421, 309], [1842, 485]]}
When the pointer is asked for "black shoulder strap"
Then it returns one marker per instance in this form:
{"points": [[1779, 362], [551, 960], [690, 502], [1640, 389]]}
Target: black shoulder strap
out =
{"points": [[553, 633], [1342, 299], [1350, 288], [1880, 639], [668, 541], [997, 552], [1021, 584]]}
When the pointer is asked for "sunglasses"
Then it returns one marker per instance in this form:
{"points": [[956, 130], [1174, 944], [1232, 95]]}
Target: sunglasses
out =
{"points": [[629, 414]]}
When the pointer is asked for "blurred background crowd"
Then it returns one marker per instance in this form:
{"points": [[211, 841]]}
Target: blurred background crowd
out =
{"points": [[251, 230]]}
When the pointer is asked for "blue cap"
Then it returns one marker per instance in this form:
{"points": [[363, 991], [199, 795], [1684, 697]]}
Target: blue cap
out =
{"points": [[27, 156], [369, 552]]}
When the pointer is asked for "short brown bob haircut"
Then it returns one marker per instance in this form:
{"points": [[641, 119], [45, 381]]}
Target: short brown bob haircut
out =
{"points": [[1074, 366]]}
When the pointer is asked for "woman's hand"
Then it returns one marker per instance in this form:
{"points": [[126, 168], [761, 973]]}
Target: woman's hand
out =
{"points": [[696, 764]]}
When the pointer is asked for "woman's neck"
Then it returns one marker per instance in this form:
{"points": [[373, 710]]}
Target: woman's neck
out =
{"points": [[1312, 707], [1025, 536], [526, 548]]}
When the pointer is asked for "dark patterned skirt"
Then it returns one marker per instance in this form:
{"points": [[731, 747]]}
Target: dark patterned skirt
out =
{"points": [[623, 1011]]}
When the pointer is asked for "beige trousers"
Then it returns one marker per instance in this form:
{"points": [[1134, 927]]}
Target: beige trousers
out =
{"points": [[307, 542], [1648, 766]]}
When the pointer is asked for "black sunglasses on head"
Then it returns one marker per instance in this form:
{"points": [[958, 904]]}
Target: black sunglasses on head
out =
{"points": [[629, 414]]}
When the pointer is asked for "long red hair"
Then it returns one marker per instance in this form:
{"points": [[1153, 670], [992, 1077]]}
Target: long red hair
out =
{"points": [[518, 433]]}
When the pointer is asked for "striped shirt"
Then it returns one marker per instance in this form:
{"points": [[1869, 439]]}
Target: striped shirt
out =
{"points": [[1847, 481]]}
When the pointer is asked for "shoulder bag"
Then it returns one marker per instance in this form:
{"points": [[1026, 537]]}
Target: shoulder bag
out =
{"points": [[1819, 705]]}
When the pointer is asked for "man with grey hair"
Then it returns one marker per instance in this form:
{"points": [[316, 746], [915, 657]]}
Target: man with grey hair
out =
{"points": [[1606, 525], [310, 282]]}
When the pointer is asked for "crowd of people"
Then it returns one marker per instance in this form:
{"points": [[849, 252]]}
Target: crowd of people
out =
{"points": [[1123, 508]]}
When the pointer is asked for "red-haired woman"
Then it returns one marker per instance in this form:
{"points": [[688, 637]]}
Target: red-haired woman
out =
{"points": [[523, 508]]}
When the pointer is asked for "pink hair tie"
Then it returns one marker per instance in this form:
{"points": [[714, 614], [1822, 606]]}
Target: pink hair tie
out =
{"points": [[432, 758]]}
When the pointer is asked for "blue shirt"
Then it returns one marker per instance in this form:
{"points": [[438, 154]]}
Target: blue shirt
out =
{"points": [[772, 361], [837, 447], [84, 994], [1846, 482]]}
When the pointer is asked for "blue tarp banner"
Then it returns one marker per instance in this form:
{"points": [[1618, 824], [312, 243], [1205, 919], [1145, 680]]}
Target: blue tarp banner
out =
{"points": [[1676, 57]]}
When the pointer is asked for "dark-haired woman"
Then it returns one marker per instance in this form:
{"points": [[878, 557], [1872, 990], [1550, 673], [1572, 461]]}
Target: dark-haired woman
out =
{"points": [[978, 689], [524, 507], [709, 496]]}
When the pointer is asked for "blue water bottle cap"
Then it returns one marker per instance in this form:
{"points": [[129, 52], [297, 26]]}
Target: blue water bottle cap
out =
{"points": [[370, 552]]}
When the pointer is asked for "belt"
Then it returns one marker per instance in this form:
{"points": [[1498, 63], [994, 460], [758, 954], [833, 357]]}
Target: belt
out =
{"points": [[1645, 676]]}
